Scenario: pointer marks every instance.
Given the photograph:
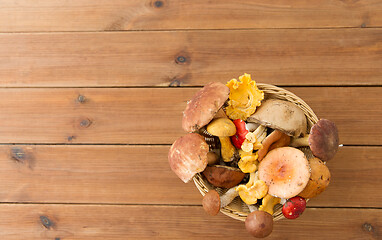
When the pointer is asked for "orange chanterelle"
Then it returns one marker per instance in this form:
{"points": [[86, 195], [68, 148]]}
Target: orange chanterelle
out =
{"points": [[244, 97]]}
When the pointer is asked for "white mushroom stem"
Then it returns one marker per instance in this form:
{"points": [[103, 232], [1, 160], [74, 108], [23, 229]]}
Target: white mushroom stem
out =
{"points": [[252, 207], [259, 131], [300, 142], [228, 197]]}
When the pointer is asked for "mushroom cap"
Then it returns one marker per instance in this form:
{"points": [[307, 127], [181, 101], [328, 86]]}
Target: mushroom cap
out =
{"points": [[282, 115], [259, 224], [204, 105], [222, 127], [223, 176], [323, 139], [211, 202], [188, 156], [286, 171]]}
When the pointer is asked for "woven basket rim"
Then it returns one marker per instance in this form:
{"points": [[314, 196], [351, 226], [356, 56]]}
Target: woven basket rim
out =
{"points": [[270, 91]]}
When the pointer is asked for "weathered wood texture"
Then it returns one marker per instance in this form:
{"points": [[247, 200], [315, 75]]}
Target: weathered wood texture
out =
{"points": [[192, 58], [153, 115], [141, 175], [174, 222], [100, 15]]}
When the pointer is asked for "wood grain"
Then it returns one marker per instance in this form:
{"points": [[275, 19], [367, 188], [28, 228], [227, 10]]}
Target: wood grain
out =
{"points": [[192, 58], [174, 222], [153, 115], [141, 175], [100, 15]]}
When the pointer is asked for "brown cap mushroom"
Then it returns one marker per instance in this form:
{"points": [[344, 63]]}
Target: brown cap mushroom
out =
{"points": [[188, 156], [223, 176], [282, 115], [212, 202], [323, 140], [259, 224], [201, 109]]}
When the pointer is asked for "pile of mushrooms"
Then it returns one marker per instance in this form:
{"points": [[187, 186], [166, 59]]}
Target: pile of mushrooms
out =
{"points": [[250, 147]]}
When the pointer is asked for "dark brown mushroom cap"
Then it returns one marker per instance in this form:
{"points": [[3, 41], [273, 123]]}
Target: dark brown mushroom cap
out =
{"points": [[223, 176], [259, 224], [188, 156], [201, 109], [211, 202], [323, 139]]}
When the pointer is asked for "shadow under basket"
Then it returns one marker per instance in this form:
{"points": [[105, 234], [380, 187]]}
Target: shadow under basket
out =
{"points": [[237, 209]]}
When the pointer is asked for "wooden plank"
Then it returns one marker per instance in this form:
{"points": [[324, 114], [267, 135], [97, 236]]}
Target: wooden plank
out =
{"points": [[174, 222], [153, 115], [141, 175], [192, 58], [99, 15]]}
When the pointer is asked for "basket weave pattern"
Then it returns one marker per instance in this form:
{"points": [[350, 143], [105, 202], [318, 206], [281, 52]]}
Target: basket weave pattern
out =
{"points": [[238, 209]]}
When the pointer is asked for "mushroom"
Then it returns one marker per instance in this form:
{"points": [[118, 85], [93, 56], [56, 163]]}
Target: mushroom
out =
{"points": [[323, 140], [276, 137], [188, 156], [269, 203], [253, 139], [285, 170], [248, 161], [259, 224], [212, 158], [223, 176], [224, 128], [244, 97], [253, 190], [212, 202], [201, 109], [282, 115]]}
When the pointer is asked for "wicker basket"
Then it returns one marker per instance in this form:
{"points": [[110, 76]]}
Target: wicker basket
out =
{"points": [[237, 209]]}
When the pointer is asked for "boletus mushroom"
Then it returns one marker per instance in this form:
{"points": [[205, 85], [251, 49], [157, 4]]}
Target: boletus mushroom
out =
{"points": [[188, 156], [223, 176], [224, 128], [201, 109], [259, 224], [213, 202], [282, 115], [323, 140]]}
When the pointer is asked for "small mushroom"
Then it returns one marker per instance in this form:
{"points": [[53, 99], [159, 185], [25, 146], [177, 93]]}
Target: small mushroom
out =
{"points": [[253, 190], [259, 224], [188, 156], [212, 202], [253, 140], [276, 137], [269, 203], [201, 109], [323, 140], [212, 158], [223, 176], [282, 115], [224, 128]]}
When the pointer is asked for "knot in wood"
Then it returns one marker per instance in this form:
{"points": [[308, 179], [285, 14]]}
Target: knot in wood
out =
{"points": [[85, 123], [368, 227], [46, 222], [181, 59], [18, 154], [158, 4], [81, 99]]}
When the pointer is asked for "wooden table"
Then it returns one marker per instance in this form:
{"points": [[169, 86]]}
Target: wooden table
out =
{"points": [[92, 94]]}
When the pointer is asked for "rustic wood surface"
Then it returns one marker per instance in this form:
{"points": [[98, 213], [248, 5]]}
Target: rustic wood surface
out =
{"points": [[191, 58], [92, 94]]}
